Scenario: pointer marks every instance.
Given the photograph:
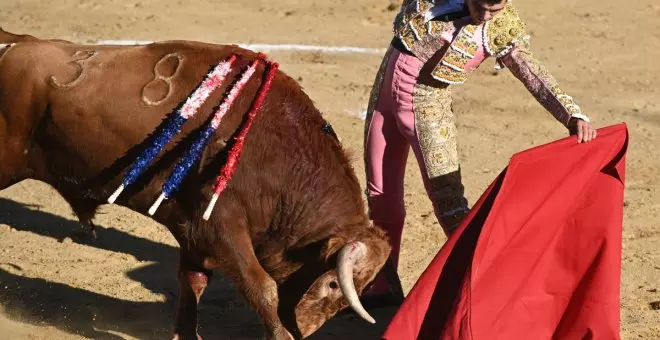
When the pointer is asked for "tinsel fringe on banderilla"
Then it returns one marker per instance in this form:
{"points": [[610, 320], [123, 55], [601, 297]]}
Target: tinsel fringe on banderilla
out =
{"points": [[234, 155], [194, 152], [174, 123]]}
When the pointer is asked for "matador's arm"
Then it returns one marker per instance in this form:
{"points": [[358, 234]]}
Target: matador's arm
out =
{"points": [[519, 59], [506, 39]]}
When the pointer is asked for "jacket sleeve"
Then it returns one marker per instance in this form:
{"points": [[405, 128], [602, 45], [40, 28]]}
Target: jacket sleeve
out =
{"points": [[519, 59]]}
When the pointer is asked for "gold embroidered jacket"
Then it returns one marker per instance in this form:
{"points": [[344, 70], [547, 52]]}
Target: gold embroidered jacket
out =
{"points": [[465, 46]]}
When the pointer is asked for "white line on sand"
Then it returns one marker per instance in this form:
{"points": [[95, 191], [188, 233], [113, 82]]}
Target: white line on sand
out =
{"points": [[272, 47]]}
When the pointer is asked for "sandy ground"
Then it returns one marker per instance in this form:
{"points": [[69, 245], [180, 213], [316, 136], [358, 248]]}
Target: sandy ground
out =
{"points": [[56, 285]]}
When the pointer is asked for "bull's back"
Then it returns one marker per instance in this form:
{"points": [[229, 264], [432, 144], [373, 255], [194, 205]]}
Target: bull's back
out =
{"points": [[111, 98], [102, 102]]}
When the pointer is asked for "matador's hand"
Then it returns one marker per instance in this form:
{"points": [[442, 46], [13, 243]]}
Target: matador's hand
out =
{"points": [[584, 130]]}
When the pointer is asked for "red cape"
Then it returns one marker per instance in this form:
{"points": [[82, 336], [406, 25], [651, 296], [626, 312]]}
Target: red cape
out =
{"points": [[539, 256]]}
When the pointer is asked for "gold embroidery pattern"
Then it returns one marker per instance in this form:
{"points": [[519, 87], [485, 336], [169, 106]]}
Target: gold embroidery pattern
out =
{"points": [[544, 75], [455, 59], [417, 26], [504, 28], [436, 132], [464, 44], [407, 38], [541, 84], [424, 5], [470, 30], [436, 129], [447, 75], [435, 28], [410, 26], [451, 69], [409, 11]]}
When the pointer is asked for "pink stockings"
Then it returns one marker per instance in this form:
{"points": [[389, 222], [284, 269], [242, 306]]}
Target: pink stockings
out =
{"points": [[391, 131]]}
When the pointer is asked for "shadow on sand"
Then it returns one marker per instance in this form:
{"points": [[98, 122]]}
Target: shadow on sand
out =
{"points": [[223, 313]]}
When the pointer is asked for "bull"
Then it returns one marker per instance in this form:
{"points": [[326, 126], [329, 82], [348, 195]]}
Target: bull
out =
{"points": [[290, 229]]}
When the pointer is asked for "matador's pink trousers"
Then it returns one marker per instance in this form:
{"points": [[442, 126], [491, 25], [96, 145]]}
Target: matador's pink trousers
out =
{"points": [[390, 135]]}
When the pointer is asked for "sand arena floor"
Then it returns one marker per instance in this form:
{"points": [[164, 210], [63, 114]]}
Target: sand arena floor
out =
{"points": [[55, 285]]}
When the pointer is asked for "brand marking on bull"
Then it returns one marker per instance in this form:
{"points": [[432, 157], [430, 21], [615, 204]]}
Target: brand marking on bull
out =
{"points": [[160, 76], [79, 60]]}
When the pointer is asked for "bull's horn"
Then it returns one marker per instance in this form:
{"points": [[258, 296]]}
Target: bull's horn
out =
{"points": [[348, 255]]}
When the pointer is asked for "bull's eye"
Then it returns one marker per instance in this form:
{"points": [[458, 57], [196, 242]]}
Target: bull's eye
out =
{"points": [[333, 285]]}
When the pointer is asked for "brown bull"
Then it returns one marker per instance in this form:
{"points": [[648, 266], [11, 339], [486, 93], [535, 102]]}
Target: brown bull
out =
{"points": [[290, 229]]}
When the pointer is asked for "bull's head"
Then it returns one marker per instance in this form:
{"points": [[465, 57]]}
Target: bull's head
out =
{"points": [[357, 264]]}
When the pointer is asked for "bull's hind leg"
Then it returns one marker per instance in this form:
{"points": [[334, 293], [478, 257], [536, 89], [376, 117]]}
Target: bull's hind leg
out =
{"points": [[22, 102], [84, 208], [85, 211], [13, 155]]}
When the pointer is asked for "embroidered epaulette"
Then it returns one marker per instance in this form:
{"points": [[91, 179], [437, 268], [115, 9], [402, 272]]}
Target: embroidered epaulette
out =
{"points": [[506, 27], [409, 24]]}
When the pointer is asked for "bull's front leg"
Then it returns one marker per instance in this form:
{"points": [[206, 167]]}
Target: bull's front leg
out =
{"points": [[260, 290], [192, 283], [258, 287]]}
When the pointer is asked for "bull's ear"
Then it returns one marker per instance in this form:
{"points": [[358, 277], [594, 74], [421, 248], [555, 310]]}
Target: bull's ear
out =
{"points": [[331, 248]]}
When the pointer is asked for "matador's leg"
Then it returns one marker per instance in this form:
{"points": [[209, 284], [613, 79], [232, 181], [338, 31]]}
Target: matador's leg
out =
{"points": [[437, 155]]}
